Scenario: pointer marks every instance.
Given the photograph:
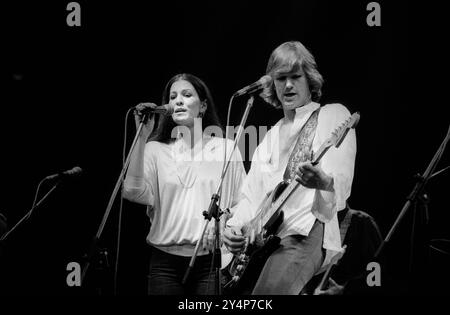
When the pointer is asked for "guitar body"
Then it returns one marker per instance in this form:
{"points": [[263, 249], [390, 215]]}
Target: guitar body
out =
{"points": [[252, 266], [246, 268]]}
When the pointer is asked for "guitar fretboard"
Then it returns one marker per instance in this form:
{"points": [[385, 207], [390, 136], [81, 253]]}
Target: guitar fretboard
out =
{"points": [[293, 185], [280, 201]]}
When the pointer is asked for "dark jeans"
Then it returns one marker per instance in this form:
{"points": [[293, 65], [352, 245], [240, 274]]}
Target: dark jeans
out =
{"points": [[167, 272], [292, 265]]}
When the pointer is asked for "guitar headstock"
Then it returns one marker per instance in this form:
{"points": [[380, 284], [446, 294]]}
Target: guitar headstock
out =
{"points": [[338, 135]]}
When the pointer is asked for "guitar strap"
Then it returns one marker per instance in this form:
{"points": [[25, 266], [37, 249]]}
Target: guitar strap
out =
{"points": [[302, 149]]}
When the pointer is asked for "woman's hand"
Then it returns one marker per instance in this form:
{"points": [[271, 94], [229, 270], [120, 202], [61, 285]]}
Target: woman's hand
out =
{"points": [[149, 124]]}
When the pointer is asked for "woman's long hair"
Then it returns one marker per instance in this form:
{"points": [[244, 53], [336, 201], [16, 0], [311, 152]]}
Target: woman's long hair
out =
{"points": [[163, 132]]}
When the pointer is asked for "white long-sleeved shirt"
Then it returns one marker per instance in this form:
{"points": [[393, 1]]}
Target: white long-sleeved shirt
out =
{"points": [[177, 187], [305, 205]]}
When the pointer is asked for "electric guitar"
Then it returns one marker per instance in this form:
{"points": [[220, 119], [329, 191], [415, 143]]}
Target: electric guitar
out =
{"points": [[260, 231]]}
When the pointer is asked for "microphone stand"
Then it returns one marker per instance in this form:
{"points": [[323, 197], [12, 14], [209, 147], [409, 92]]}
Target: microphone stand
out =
{"points": [[214, 211], [94, 245], [27, 215], [417, 193]]}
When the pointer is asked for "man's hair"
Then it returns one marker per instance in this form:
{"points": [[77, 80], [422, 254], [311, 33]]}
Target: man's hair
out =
{"points": [[288, 57]]}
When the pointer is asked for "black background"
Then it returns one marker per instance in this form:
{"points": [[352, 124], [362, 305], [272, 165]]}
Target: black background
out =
{"points": [[67, 90]]}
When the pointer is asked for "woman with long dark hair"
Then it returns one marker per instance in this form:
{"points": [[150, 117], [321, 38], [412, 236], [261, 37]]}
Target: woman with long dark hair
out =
{"points": [[175, 174]]}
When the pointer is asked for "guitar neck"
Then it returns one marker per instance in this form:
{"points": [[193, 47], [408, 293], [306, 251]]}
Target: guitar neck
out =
{"points": [[293, 185], [267, 211], [320, 153]]}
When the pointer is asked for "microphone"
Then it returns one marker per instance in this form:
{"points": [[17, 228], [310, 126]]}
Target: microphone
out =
{"points": [[147, 108], [74, 171], [256, 86]]}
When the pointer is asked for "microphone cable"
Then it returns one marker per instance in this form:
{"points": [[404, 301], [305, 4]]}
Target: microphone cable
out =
{"points": [[35, 199], [119, 223], [28, 214]]}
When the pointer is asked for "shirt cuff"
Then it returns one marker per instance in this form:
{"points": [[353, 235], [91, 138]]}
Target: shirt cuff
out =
{"points": [[134, 182]]}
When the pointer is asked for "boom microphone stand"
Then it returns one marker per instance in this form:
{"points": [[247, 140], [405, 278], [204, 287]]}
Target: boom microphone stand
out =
{"points": [[35, 206], [417, 193], [94, 245], [215, 212]]}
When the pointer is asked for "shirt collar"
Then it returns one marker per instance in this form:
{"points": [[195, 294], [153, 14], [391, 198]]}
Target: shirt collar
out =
{"points": [[305, 109], [264, 154]]}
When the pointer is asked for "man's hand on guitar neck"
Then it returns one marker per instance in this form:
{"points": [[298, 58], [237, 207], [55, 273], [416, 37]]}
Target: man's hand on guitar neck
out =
{"points": [[233, 239], [314, 177]]}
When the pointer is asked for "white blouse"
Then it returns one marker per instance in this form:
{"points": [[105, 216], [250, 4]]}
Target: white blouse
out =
{"points": [[177, 187]]}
